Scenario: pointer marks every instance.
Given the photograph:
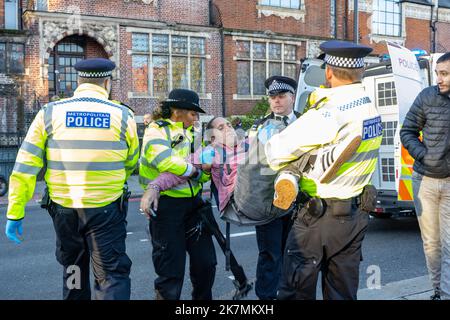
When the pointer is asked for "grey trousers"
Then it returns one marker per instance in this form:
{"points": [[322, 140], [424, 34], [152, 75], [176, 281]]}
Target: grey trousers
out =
{"points": [[432, 202]]}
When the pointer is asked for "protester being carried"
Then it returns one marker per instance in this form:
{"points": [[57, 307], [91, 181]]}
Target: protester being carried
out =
{"points": [[221, 157]]}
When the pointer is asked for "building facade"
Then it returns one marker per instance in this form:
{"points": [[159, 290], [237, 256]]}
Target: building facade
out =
{"points": [[267, 37]]}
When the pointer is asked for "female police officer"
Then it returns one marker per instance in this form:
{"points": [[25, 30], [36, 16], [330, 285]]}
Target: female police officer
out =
{"points": [[166, 145]]}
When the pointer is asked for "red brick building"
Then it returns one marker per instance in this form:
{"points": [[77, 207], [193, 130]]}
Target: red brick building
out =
{"points": [[156, 45], [266, 37]]}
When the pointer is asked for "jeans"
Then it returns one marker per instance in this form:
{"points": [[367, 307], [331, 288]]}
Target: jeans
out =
{"points": [[432, 202]]}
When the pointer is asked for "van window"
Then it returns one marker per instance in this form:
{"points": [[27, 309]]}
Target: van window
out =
{"points": [[314, 76]]}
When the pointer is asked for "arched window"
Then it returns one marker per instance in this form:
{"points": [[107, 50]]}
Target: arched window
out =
{"points": [[62, 77]]}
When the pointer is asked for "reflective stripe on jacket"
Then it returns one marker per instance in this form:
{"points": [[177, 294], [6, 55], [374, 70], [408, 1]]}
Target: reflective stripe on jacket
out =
{"points": [[344, 110], [165, 148], [89, 145]]}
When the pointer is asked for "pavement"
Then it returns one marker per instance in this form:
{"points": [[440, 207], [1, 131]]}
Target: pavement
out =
{"points": [[418, 288]]}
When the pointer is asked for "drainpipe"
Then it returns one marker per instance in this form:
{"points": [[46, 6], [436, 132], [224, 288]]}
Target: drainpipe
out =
{"points": [[334, 15], [215, 19], [345, 34], [355, 22], [222, 66], [433, 21]]}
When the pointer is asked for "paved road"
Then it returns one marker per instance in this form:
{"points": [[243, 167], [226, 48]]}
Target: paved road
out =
{"points": [[30, 271]]}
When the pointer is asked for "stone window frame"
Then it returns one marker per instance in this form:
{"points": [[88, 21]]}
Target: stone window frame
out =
{"points": [[58, 52], [150, 94], [6, 62], [41, 5], [252, 96], [282, 12]]}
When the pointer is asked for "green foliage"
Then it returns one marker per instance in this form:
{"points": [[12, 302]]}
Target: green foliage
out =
{"points": [[258, 111]]}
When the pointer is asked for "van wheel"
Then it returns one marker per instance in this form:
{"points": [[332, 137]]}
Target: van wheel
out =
{"points": [[3, 186]]}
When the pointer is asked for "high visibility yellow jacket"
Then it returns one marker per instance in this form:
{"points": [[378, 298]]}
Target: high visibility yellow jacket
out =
{"points": [[165, 147], [343, 110], [89, 145]]}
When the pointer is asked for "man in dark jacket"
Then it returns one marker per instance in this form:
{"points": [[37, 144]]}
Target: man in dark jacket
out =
{"points": [[430, 114]]}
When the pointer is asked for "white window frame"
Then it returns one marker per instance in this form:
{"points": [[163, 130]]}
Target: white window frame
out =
{"points": [[10, 23], [252, 96], [400, 20], [389, 133], [390, 175], [271, 3], [389, 107], [149, 54]]}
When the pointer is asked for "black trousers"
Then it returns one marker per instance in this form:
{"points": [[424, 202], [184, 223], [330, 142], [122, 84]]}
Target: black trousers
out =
{"points": [[330, 244], [97, 235], [271, 240], [173, 233]]}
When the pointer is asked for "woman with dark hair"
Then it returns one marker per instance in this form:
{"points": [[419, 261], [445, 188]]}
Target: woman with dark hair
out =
{"points": [[220, 157], [166, 146]]}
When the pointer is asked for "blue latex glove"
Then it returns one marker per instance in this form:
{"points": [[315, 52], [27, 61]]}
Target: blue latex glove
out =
{"points": [[14, 228], [266, 132], [207, 156]]}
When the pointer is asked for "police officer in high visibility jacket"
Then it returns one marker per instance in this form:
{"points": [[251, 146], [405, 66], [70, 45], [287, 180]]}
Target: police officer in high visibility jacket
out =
{"points": [[271, 237], [175, 223], [90, 147], [328, 232]]}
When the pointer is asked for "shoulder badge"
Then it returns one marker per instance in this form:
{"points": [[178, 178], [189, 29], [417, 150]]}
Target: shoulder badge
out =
{"points": [[162, 123]]}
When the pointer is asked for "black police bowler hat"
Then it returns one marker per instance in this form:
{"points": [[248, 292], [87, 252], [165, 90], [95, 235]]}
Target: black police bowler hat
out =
{"points": [[280, 84], [183, 99]]}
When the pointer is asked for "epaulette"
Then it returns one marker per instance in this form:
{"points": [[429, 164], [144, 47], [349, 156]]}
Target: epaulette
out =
{"points": [[162, 123], [125, 105], [122, 104], [259, 122]]}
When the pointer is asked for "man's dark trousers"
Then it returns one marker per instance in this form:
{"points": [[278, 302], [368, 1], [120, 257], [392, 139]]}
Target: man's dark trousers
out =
{"points": [[173, 232], [271, 240], [97, 234], [329, 244]]}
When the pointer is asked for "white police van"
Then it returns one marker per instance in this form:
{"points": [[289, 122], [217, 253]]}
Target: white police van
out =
{"points": [[379, 82]]}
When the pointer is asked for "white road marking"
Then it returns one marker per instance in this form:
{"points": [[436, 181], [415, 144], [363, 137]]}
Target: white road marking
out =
{"points": [[129, 232], [143, 240], [242, 234]]}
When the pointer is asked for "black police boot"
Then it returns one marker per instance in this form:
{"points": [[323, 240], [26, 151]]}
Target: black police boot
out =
{"points": [[242, 290]]}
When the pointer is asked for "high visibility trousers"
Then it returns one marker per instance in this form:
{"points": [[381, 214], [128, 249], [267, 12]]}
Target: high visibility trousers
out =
{"points": [[175, 230], [96, 234], [329, 244]]}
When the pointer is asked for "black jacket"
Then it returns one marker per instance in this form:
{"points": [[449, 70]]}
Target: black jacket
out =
{"points": [[430, 113]]}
